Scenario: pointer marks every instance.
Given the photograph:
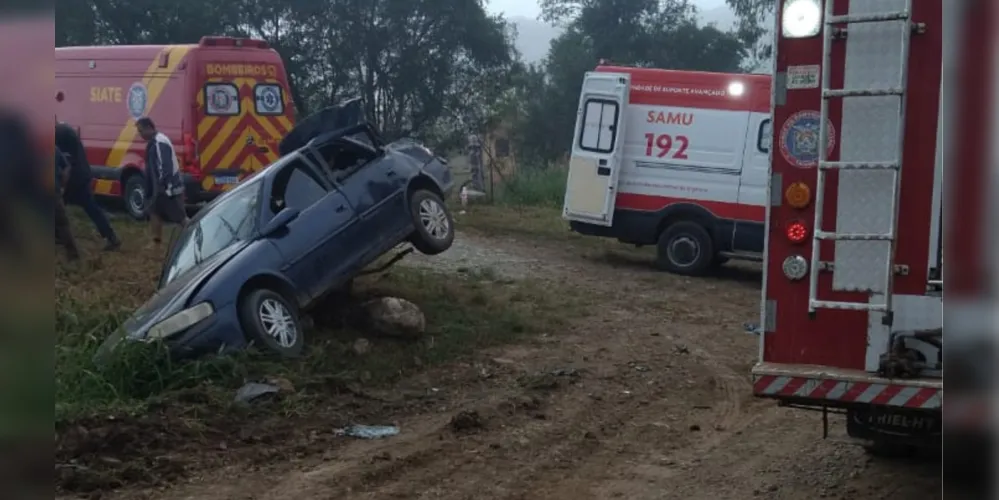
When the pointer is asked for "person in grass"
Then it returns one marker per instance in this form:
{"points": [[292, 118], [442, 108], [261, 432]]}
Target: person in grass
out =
{"points": [[77, 190], [63, 233], [167, 186]]}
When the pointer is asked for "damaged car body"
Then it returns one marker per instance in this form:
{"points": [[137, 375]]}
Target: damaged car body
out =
{"points": [[258, 256]]}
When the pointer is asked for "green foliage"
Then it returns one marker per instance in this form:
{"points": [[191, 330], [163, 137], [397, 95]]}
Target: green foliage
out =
{"points": [[413, 62], [538, 187], [646, 33], [437, 70]]}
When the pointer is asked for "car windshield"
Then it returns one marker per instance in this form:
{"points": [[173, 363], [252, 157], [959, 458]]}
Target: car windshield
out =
{"points": [[230, 221]]}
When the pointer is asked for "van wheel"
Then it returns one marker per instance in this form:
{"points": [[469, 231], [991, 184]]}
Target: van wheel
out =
{"points": [[685, 248], [135, 196]]}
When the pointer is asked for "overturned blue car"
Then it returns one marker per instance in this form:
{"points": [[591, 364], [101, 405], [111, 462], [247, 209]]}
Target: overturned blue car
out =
{"points": [[251, 262]]}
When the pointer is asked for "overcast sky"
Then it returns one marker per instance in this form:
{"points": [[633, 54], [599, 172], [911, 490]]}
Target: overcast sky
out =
{"points": [[529, 8]]}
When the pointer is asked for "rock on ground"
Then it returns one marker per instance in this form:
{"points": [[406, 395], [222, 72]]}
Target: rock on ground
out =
{"points": [[395, 317]]}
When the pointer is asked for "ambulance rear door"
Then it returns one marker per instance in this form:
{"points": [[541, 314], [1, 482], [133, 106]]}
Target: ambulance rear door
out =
{"points": [[597, 149]]}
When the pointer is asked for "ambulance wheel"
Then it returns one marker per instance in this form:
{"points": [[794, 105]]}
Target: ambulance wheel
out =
{"points": [[135, 196], [685, 248]]}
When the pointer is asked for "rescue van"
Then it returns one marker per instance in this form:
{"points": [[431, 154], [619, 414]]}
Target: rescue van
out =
{"points": [[676, 159], [224, 102], [852, 302]]}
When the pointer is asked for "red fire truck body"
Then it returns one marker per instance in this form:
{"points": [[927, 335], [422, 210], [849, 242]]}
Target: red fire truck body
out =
{"points": [[851, 316]]}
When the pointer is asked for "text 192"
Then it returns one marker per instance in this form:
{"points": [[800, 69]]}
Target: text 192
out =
{"points": [[663, 144]]}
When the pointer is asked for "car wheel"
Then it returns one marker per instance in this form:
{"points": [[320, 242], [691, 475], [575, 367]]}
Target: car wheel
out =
{"points": [[135, 196], [434, 231], [685, 248], [270, 320]]}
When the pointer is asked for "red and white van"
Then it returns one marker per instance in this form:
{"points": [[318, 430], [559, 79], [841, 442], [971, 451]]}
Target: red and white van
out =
{"points": [[677, 159], [224, 102]]}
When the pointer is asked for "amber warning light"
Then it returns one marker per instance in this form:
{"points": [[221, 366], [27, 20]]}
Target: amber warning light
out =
{"points": [[798, 195], [797, 231]]}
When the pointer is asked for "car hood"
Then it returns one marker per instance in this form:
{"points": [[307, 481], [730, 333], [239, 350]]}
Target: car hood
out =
{"points": [[170, 299], [342, 116]]}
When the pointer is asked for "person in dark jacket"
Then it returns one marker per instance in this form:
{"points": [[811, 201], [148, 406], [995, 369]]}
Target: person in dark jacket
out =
{"points": [[63, 234], [78, 187], [163, 172]]}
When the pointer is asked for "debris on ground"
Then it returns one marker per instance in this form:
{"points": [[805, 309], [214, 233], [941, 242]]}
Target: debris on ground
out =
{"points": [[465, 421], [283, 384], [395, 317], [254, 390], [369, 431], [752, 328], [362, 346]]}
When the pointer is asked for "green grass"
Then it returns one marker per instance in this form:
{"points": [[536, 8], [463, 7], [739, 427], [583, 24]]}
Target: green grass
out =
{"points": [[93, 297], [536, 187]]}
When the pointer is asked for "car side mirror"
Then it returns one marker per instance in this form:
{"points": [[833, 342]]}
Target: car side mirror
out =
{"points": [[280, 221]]}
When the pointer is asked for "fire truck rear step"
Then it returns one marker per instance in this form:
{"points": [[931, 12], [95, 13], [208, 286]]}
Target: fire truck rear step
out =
{"points": [[853, 165], [868, 18], [826, 385], [895, 165], [832, 93]]}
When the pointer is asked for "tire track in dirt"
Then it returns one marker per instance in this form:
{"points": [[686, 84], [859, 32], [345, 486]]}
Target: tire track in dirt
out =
{"points": [[660, 407]]}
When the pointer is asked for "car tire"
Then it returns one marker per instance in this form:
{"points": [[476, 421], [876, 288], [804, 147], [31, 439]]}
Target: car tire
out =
{"points": [[434, 226], [272, 322], [685, 248], [135, 196]]}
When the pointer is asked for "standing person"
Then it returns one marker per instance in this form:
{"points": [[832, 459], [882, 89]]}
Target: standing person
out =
{"points": [[78, 187], [63, 234], [163, 170]]}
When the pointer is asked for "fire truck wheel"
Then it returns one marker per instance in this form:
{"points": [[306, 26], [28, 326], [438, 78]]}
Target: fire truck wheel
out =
{"points": [[135, 197], [685, 248]]}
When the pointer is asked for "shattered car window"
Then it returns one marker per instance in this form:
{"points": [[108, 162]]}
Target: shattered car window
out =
{"points": [[231, 221]]}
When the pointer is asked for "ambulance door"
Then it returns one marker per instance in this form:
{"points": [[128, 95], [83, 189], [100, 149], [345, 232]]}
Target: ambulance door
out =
{"points": [[597, 149]]}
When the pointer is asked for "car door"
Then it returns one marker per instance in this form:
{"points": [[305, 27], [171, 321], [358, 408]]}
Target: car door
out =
{"points": [[315, 246], [368, 178]]}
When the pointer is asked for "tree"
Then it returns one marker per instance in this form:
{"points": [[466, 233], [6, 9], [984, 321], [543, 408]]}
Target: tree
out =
{"points": [[644, 33], [756, 18], [412, 61]]}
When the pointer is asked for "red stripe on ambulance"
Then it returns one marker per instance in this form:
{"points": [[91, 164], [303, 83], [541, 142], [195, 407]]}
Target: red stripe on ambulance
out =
{"points": [[720, 209]]}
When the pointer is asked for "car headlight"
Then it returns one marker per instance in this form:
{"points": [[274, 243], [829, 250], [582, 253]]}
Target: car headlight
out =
{"points": [[801, 18], [179, 322]]}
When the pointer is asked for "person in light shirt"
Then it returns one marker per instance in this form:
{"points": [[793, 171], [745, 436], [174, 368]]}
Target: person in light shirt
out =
{"points": [[167, 186]]}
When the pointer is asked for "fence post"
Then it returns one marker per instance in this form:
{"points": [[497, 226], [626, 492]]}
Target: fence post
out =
{"points": [[475, 162]]}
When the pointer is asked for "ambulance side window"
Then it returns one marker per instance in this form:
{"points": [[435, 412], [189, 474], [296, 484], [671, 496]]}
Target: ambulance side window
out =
{"points": [[221, 99], [268, 99], [765, 136], [598, 132]]}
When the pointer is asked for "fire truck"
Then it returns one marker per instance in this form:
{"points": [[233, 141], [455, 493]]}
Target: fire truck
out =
{"points": [[851, 313]]}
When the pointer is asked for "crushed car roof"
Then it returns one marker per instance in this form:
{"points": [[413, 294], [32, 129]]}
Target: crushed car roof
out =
{"points": [[327, 123]]}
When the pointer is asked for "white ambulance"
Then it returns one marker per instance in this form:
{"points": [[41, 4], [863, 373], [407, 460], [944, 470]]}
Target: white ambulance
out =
{"points": [[677, 159]]}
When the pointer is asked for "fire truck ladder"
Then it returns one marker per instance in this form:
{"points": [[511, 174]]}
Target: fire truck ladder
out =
{"points": [[824, 165]]}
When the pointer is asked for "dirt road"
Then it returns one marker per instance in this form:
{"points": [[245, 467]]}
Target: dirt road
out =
{"points": [[645, 397]]}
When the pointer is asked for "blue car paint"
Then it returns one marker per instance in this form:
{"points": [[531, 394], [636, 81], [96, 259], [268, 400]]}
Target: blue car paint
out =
{"points": [[356, 222]]}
